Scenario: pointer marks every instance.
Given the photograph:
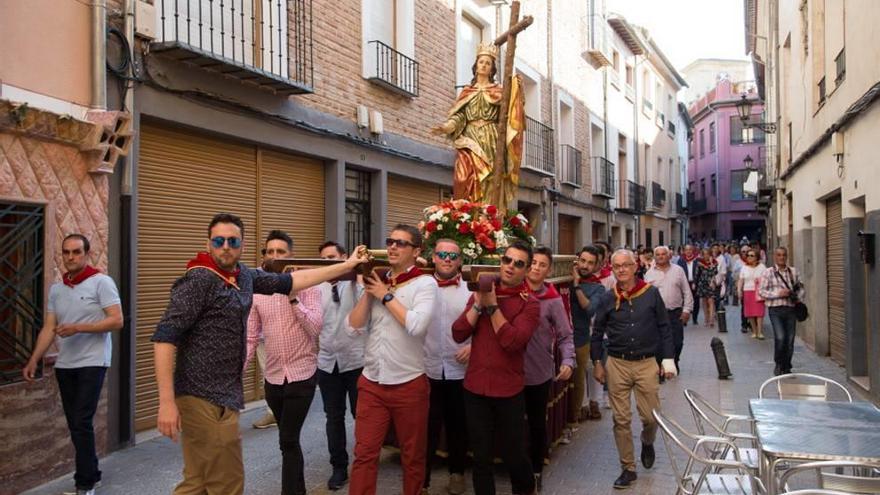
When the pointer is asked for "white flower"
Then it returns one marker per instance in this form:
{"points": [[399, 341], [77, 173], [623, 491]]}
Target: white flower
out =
{"points": [[469, 253], [436, 216], [522, 218], [465, 216], [533, 240], [439, 226], [471, 245]]}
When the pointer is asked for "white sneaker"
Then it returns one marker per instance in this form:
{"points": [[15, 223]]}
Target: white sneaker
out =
{"points": [[566, 436], [605, 403]]}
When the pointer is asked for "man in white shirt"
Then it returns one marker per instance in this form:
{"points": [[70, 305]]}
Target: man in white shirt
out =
{"points": [[675, 291], [395, 314], [688, 262], [340, 361], [446, 362]]}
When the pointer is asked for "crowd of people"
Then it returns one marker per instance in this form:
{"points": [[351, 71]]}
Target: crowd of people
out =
{"points": [[410, 350]]}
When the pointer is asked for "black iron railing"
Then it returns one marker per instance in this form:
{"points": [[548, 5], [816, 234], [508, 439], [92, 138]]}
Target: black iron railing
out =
{"points": [[571, 165], [679, 204], [394, 70], [671, 127], [632, 197], [538, 152], [697, 206], [22, 234], [661, 120], [603, 177], [263, 42], [658, 195]]}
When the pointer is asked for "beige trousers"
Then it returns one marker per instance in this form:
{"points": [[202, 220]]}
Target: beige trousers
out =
{"points": [[579, 378], [625, 377], [211, 441]]}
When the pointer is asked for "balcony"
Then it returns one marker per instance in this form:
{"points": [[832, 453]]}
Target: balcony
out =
{"points": [[658, 195], [571, 165], [632, 197], [594, 41], [679, 204], [697, 206], [671, 128], [394, 70], [538, 150], [263, 43], [629, 92], [603, 177], [647, 106], [660, 120]]}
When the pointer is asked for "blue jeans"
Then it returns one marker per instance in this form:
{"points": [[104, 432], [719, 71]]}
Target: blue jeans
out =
{"points": [[784, 328], [80, 390]]}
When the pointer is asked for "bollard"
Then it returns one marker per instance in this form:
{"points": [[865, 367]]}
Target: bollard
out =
{"points": [[720, 359], [721, 316]]}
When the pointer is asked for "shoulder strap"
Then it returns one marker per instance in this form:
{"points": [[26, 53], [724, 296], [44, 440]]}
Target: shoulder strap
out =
{"points": [[781, 278]]}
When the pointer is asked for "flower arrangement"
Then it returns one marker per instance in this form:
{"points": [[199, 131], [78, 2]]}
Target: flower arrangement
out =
{"points": [[477, 227]]}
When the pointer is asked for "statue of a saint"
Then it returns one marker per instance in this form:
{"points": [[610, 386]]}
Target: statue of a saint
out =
{"points": [[473, 125]]}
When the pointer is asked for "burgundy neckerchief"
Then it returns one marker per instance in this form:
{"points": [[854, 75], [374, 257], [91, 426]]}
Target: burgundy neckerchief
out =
{"points": [[456, 281], [85, 273], [521, 290], [640, 288], [549, 292], [397, 280], [689, 257], [206, 261], [711, 263]]}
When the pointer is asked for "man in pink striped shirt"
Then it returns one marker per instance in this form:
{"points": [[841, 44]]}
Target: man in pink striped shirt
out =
{"points": [[290, 328]]}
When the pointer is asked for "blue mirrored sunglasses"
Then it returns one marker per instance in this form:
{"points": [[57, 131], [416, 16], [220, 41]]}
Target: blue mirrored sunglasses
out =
{"points": [[447, 255], [234, 242]]}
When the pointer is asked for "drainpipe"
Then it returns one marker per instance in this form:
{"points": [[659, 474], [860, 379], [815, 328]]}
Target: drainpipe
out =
{"points": [[717, 174], [99, 55], [608, 227], [636, 146]]}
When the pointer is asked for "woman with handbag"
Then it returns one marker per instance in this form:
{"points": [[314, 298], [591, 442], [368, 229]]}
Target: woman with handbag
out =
{"points": [[753, 305]]}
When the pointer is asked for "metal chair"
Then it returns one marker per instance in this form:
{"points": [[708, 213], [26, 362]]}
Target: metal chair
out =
{"points": [[711, 421], [791, 387], [816, 492], [863, 478], [691, 482]]}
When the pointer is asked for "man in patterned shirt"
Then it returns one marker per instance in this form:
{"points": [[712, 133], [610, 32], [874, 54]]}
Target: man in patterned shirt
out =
{"points": [[290, 328], [199, 348], [780, 288]]}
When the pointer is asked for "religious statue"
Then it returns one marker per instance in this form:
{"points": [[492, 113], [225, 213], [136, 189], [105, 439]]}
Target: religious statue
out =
{"points": [[472, 123]]}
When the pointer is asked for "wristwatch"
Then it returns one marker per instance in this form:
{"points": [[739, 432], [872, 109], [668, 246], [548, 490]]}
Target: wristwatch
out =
{"points": [[490, 310], [387, 298], [578, 287], [477, 308]]}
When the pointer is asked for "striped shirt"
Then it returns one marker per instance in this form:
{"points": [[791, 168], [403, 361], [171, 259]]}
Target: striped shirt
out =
{"points": [[290, 332], [771, 286]]}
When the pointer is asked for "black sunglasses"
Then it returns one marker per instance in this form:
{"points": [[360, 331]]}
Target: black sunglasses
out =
{"points": [[400, 243], [234, 242], [447, 255], [507, 260]]}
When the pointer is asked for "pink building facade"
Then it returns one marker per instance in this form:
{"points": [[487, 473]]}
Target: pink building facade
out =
{"points": [[723, 162]]}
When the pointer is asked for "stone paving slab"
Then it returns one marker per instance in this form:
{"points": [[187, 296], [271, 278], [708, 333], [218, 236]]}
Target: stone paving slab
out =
{"points": [[587, 466]]}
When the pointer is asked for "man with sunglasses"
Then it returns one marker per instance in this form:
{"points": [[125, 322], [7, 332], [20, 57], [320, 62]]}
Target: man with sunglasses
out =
{"points": [[199, 348], [395, 315], [634, 318], [340, 362], [500, 323], [446, 361]]}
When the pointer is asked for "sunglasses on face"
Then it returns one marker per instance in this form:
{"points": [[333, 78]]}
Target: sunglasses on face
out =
{"points": [[399, 243], [280, 252], [219, 241], [447, 255], [507, 260], [751, 256]]}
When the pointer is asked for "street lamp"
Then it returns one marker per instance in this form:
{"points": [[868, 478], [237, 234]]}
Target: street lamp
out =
{"points": [[744, 109], [749, 162]]}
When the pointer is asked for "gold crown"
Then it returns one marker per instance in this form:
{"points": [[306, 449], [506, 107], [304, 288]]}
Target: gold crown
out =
{"points": [[490, 50]]}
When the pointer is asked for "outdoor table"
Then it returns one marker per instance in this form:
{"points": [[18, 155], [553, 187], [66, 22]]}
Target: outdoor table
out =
{"points": [[803, 431]]}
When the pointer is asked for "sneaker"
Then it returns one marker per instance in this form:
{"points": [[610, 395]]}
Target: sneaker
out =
{"points": [[338, 479], [80, 491], [566, 437], [625, 480], [648, 455], [267, 421], [605, 403], [595, 413], [456, 484]]}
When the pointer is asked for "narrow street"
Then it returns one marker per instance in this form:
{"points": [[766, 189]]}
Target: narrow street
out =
{"points": [[587, 466]]}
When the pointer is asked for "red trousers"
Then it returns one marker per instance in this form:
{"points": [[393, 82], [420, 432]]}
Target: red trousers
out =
{"points": [[406, 405]]}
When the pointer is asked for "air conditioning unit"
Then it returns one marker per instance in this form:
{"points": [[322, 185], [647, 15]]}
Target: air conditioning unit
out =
{"points": [[363, 116], [376, 122], [145, 20]]}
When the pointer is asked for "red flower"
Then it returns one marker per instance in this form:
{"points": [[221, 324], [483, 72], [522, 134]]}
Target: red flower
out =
{"points": [[496, 224], [486, 241], [492, 210], [464, 228], [430, 227], [514, 220]]}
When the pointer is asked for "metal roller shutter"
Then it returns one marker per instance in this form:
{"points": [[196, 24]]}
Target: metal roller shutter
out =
{"points": [[835, 270], [407, 198], [292, 199]]}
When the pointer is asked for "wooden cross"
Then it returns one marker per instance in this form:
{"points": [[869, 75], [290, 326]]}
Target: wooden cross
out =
{"points": [[509, 37]]}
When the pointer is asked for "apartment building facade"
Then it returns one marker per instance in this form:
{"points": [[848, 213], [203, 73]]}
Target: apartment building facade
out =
{"points": [[724, 166], [815, 67]]}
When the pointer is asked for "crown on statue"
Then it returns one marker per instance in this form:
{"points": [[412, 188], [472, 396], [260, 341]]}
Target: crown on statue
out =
{"points": [[490, 50]]}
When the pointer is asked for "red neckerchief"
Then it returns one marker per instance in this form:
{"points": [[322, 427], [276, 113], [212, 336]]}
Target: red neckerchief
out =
{"points": [[689, 257], [85, 273], [456, 281], [640, 288], [711, 263], [605, 272], [521, 290], [593, 279], [204, 260], [549, 292], [398, 280]]}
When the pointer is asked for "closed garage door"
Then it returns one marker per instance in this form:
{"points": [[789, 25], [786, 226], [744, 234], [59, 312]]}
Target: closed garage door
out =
{"points": [[183, 180], [407, 198], [568, 226], [834, 247]]}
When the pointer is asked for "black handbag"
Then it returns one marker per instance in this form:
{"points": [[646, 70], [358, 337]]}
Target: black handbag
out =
{"points": [[801, 312]]}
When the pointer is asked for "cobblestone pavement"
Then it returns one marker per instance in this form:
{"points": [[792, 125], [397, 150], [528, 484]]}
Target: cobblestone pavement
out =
{"points": [[587, 466]]}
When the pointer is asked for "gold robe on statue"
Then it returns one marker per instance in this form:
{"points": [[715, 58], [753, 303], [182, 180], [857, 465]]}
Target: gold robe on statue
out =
{"points": [[474, 116]]}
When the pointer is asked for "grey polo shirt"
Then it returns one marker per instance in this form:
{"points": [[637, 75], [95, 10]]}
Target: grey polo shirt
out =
{"points": [[83, 303]]}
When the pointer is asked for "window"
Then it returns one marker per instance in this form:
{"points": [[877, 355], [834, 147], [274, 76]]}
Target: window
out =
{"points": [[743, 184], [388, 30], [629, 75], [357, 208], [790, 149], [740, 134], [840, 63], [702, 143], [622, 165], [690, 148], [470, 34], [714, 185], [22, 228], [703, 188], [821, 91], [649, 239], [615, 60], [711, 137], [660, 238]]}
